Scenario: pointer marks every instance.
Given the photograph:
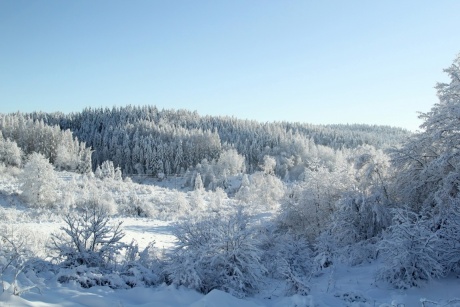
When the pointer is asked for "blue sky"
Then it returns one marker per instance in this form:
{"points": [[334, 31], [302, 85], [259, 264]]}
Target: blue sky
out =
{"points": [[320, 62]]}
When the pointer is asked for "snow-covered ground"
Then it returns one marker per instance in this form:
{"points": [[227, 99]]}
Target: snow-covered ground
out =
{"points": [[334, 286], [342, 286]]}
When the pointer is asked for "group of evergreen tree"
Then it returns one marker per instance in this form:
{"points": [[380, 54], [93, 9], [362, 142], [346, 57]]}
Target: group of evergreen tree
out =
{"points": [[147, 141], [20, 136]]}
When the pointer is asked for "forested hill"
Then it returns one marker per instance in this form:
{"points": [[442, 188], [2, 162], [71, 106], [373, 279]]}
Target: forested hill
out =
{"points": [[145, 140]]}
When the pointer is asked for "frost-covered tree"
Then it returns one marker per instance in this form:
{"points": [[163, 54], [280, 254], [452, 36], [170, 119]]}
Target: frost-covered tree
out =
{"points": [[428, 163], [231, 161], [85, 164], [199, 186], [34, 134], [217, 199], [422, 242], [38, 182], [197, 202], [372, 168], [10, 153], [65, 159], [107, 170], [308, 205], [244, 192], [178, 206], [268, 167], [117, 174], [98, 172], [263, 192]]}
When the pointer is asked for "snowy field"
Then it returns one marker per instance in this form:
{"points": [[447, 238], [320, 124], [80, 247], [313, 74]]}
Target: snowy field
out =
{"points": [[343, 286], [334, 286]]}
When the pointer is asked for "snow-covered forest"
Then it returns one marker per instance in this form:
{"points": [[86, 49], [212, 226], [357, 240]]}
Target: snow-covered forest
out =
{"points": [[136, 205]]}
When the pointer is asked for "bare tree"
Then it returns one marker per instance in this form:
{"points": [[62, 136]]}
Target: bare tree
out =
{"points": [[88, 238]]}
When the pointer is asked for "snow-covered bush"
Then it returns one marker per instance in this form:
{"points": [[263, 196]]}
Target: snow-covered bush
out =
{"points": [[449, 235], [132, 205], [372, 170], [410, 251], [89, 252], [263, 191], [325, 251], [142, 268], [307, 207], [136, 268], [16, 257], [356, 225], [197, 202], [329, 252], [172, 208], [108, 171], [287, 258], [231, 161], [105, 201], [38, 182], [10, 153], [358, 218], [217, 200], [217, 252], [66, 159], [88, 238], [87, 277]]}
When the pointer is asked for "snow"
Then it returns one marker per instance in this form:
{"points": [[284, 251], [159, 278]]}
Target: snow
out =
{"points": [[340, 286], [335, 286], [144, 231], [353, 287]]}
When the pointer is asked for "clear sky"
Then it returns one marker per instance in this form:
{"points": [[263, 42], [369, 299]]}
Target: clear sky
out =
{"points": [[320, 62]]}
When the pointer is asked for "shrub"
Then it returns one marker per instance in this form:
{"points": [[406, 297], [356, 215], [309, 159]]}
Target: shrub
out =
{"points": [[409, 251], [288, 258], [217, 252], [87, 238], [16, 258]]}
